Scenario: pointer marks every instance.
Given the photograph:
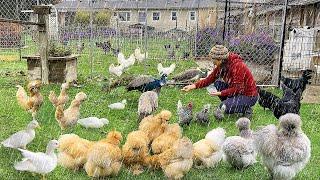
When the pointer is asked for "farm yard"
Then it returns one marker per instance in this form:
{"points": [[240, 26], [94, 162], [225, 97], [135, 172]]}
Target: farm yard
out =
{"points": [[125, 121], [98, 52]]}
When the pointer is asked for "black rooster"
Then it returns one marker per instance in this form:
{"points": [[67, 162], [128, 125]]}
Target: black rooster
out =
{"points": [[300, 83], [289, 103]]}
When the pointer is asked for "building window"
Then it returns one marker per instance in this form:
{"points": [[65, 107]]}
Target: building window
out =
{"points": [[142, 16], [156, 16], [173, 15], [124, 16], [192, 15]]}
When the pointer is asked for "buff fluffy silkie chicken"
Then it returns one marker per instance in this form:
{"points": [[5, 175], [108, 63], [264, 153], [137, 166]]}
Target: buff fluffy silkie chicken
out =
{"points": [[73, 151], [176, 161], [63, 97], [135, 150], [32, 102], [171, 134], [155, 125], [105, 157], [208, 151], [70, 116]]}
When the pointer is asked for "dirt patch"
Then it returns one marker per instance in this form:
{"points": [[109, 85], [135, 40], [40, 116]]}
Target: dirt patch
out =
{"points": [[311, 95]]}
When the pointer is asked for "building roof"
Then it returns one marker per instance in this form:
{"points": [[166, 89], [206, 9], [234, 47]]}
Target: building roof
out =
{"points": [[150, 4], [273, 5]]}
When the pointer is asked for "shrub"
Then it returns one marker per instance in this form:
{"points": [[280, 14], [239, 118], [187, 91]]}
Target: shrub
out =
{"points": [[257, 47], [58, 50], [205, 39], [82, 17], [102, 18]]}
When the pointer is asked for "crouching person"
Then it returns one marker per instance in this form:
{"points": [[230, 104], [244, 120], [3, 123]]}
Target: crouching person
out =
{"points": [[234, 82]]}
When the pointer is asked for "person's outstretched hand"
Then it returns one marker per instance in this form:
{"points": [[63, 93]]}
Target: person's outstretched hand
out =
{"points": [[188, 88], [215, 94]]}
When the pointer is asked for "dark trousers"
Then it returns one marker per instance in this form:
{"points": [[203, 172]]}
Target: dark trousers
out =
{"points": [[236, 103]]}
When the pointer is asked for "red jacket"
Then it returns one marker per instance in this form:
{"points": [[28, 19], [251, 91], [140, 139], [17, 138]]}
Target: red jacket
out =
{"points": [[237, 76]]}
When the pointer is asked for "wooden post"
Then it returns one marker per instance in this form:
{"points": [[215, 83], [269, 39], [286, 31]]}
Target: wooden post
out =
{"points": [[43, 12]]}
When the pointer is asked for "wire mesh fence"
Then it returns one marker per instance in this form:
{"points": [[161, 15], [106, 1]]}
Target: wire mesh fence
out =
{"points": [[174, 31]]}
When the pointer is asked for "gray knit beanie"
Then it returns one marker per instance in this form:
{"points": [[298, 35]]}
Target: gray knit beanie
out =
{"points": [[219, 52]]}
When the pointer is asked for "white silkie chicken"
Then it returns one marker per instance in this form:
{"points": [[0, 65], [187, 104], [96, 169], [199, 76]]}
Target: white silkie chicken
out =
{"points": [[93, 122], [140, 56], [118, 105], [286, 150], [166, 70], [22, 138], [39, 162], [126, 63], [116, 70], [207, 152], [239, 151]]}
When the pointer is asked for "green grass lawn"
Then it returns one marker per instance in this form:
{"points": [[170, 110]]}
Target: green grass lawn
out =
{"points": [[13, 118]]}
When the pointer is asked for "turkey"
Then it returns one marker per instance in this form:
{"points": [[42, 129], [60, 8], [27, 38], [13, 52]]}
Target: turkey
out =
{"points": [[184, 113], [146, 83]]}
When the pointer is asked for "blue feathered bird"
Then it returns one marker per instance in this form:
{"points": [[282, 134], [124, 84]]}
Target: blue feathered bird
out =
{"points": [[147, 83]]}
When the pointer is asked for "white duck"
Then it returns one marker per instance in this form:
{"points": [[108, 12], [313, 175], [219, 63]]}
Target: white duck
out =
{"points": [[140, 56], [118, 105], [166, 70], [39, 162], [20, 139], [93, 122], [116, 70]]}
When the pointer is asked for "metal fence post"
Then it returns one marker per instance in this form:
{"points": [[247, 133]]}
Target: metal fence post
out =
{"points": [[225, 19], [284, 19], [146, 38], [197, 29], [90, 37]]}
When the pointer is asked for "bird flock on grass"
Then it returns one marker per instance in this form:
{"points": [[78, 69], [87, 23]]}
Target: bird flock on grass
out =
{"points": [[283, 149]]}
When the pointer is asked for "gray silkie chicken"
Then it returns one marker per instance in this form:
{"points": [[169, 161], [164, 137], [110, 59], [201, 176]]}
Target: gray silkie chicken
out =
{"points": [[202, 117], [148, 103], [239, 151], [184, 113], [285, 150]]}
